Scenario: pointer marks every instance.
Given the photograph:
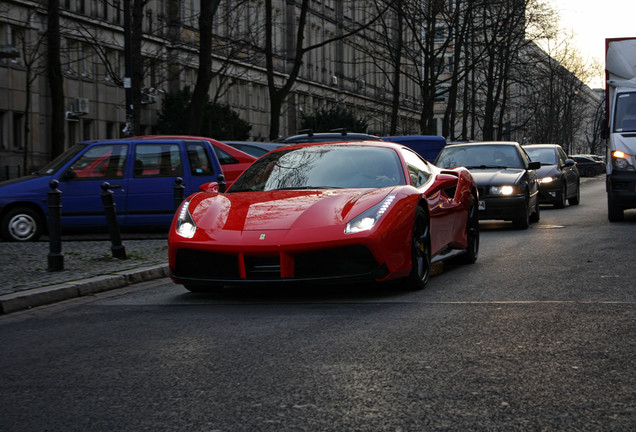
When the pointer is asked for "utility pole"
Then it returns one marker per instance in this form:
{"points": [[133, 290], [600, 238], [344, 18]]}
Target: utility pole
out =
{"points": [[129, 128]]}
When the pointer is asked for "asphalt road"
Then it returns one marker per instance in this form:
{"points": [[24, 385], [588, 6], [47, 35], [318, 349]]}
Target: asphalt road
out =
{"points": [[539, 334]]}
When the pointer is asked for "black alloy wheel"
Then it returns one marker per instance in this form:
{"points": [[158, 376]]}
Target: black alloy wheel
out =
{"points": [[576, 199], [472, 233], [561, 197], [420, 251]]}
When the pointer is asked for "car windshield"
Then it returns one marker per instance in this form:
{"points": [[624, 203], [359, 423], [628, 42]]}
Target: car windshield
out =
{"points": [[546, 156], [480, 157], [59, 161], [323, 167], [625, 118]]}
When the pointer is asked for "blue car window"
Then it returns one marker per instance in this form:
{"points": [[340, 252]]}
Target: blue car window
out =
{"points": [[157, 160], [103, 161], [200, 164]]}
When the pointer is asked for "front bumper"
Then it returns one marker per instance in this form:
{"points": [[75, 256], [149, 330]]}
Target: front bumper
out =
{"points": [[502, 208], [622, 185], [550, 194]]}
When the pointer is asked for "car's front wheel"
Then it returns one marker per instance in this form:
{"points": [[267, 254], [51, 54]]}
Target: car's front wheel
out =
{"points": [[420, 251], [522, 221], [472, 234], [561, 197], [21, 224], [576, 199]]}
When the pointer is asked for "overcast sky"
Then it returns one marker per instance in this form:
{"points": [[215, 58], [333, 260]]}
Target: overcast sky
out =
{"points": [[594, 20]]}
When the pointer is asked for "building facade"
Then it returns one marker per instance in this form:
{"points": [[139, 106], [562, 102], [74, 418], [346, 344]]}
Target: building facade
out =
{"points": [[352, 72]]}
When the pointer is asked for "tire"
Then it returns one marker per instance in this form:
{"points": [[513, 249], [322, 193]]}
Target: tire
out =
{"points": [[536, 215], [590, 172], [523, 220], [420, 251], [22, 224], [560, 202], [576, 199], [614, 212], [472, 234]]}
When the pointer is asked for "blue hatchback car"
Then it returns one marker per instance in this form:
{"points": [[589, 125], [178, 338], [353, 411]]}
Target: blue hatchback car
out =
{"points": [[141, 174]]}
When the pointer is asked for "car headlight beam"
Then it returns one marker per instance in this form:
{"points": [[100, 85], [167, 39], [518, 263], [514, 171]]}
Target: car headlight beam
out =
{"points": [[504, 190], [622, 161], [185, 224], [367, 220]]}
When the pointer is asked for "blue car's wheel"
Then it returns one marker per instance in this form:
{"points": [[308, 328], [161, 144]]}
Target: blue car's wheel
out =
{"points": [[21, 225]]}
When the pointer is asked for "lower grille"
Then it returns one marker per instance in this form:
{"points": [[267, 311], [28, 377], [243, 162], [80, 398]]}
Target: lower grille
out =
{"points": [[206, 265], [346, 261]]}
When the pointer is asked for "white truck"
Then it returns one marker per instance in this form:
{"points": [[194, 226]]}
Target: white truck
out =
{"points": [[620, 111]]}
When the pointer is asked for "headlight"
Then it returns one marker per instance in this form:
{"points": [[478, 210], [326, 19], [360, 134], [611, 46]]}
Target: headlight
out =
{"points": [[546, 180], [185, 224], [368, 219], [622, 160], [504, 190]]}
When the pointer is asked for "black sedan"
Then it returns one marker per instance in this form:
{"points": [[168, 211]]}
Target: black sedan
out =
{"points": [[254, 148], [588, 167], [506, 179], [558, 176]]}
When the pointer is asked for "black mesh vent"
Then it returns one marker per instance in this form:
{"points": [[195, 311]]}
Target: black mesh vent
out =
{"points": [[212, 265], [262, 267], [347, 261]]}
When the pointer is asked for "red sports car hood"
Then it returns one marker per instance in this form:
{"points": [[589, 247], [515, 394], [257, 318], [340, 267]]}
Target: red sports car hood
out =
{"points": [[281, 210]]}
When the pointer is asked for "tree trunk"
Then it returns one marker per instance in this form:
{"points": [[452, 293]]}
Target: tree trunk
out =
{"points": [[56, 79], [200, 94]]}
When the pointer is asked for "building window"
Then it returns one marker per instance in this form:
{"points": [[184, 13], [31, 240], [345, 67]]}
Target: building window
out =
{"points": [[17, 131], [3, 142], [110, 130], [86, 129]]}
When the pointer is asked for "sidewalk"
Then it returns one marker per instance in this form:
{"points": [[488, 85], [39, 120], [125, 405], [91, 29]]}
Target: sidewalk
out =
{"points": [[88, 268]]}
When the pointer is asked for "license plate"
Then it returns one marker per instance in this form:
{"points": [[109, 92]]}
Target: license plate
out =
{"points": [[482, 205]]}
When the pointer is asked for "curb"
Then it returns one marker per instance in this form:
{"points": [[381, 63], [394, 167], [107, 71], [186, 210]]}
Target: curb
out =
{"points": [[65, 291]]}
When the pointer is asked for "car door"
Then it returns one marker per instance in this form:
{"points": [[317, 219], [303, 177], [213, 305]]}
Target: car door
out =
{"points": [[150, 199], [570, 173], [81, 183], [443, 214]]}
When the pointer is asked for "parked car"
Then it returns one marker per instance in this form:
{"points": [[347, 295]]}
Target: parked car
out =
{"points": [[233, 161], [587, 166], [308, 136], [558, 176], [506, 177], [332, 212], [141, 174], [254, 148], [427, 146]]}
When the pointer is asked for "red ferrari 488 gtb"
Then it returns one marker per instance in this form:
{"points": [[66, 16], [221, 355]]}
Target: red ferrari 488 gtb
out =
{"points": [[332, 212]]}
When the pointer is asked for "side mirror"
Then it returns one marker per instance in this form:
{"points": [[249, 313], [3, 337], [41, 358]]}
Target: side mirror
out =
{"points": [[534, 165], [604, 129], [568, 163], [211, 187], [69, 174], [222, 184]]}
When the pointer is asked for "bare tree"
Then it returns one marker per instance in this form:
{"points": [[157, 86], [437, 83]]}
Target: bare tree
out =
{"points": [[55, 77], [31, 54], [204, 76], [280, 80]]}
